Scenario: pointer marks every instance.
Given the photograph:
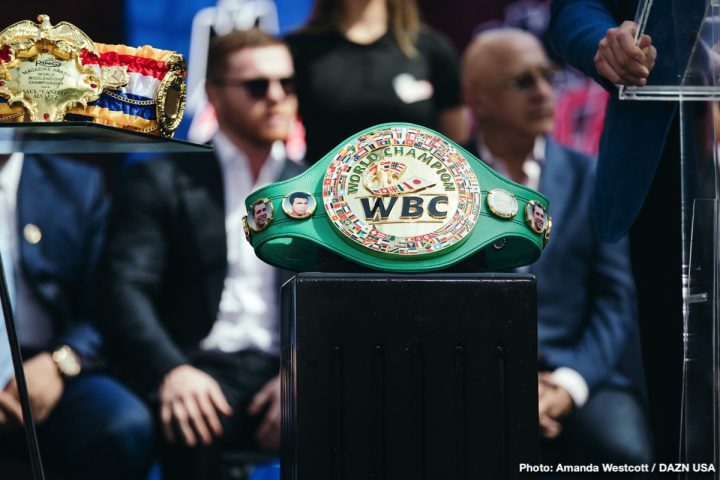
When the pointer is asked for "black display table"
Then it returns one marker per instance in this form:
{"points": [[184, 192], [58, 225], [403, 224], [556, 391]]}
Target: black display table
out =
{"points": [[409, 376]]}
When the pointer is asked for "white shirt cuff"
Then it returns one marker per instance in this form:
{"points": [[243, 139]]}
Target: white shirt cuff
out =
{"points": [[573, 383]]}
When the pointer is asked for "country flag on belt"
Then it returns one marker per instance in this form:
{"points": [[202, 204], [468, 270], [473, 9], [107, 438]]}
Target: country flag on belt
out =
{"points": [[133, 105], [384, 179]]}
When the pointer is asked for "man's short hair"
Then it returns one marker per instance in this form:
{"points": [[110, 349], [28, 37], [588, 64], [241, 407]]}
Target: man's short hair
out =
{"points": [[297, 195], [255, 205], [223, 46]]}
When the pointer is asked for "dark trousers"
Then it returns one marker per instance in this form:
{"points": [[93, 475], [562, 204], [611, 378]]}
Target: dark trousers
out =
{"points": [[99, 429], [656, 251], [611, 427], [240, 375]]}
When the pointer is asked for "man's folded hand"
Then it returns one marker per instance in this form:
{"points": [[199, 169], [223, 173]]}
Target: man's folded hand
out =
{"points": [[623, 62], [190, 401]]}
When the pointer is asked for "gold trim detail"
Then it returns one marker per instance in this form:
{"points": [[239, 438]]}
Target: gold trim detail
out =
{"points": [[246, 229], [502, 203], [171, 98], [546, 238], [130, 101], [42, 70]]}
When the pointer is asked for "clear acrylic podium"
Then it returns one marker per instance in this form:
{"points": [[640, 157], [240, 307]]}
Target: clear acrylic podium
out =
{"points": [[687, 71]]}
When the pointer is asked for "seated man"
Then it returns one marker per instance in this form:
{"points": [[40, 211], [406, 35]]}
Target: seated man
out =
{"points": [[191, 312], [591, 387], [52, 215]]}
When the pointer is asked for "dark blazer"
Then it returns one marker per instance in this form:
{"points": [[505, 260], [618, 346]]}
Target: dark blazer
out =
{"points": [[166, 262], [67, 202], [587, 313], [635, 132]]}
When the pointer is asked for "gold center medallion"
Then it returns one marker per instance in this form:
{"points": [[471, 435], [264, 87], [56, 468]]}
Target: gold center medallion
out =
{"points": [[402, 191]]}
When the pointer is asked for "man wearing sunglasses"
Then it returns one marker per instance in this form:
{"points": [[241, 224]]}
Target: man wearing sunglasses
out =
{"points": [[191, 310], [590, 385]]}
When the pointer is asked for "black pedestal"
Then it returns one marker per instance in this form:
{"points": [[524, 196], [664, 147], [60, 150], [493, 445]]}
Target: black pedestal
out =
{"points": [[409, 376]]}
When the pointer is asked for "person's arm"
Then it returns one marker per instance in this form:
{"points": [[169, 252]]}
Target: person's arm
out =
{"points": [[82, 336], [612, 316], [587, 35], [593, 348], [132, 272], [88, 204], [575, 30]]}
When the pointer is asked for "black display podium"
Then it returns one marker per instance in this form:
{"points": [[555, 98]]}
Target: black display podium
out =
{"points": [[409, 376]]}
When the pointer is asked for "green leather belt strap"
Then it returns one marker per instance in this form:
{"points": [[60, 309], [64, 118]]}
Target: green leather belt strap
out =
{"points": [[397, 197]]}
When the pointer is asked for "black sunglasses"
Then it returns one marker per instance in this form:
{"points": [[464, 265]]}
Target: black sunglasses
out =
{"points": [[258, 87], [529, 79]]}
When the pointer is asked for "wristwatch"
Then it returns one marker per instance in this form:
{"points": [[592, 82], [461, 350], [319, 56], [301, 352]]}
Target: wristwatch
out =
{"points": [[67, 362]]}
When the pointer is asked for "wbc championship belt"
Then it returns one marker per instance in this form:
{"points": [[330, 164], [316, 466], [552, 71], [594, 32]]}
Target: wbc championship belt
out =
{"points": [[398, 197], [51, 73]]}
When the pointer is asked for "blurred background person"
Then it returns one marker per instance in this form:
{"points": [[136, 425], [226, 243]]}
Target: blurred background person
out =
{"points": [[52, 219], [591, 385], [360, 63], [191, 312]]}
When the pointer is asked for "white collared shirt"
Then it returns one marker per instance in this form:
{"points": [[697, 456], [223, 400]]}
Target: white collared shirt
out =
{"points": [[248, 318], [532, 166], [34, 325]]}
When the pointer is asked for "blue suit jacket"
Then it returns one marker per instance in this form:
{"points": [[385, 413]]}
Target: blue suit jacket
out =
{"points": [[67, 202], [634, 135], [587, 316], [587, 313]]}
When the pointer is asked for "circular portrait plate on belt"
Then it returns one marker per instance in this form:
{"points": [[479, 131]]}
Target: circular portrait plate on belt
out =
{"points": [[401, 192]]}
